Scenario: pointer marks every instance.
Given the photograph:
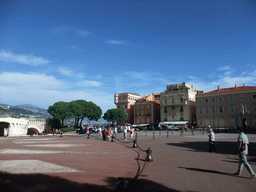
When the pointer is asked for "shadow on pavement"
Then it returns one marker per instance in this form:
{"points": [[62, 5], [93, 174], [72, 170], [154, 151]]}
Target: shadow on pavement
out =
{"points": [[224, 147], [209, 171], [40, 182]]}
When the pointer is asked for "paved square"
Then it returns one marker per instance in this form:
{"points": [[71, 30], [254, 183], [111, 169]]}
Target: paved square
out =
{"points": [[33, 166]]}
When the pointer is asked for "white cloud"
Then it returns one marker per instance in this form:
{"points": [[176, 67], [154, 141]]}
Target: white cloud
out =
{"points": [[27, 81], [228, 72], [224, 82], [115, 42], [67, 72], [224, 68], [89, 84], [24, 59], [192, 77], [43, 90]]}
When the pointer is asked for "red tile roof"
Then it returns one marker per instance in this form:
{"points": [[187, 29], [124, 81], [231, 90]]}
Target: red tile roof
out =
{"points": [[232, 89]]}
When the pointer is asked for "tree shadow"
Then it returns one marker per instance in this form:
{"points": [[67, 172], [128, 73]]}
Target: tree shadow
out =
{"points": [[224, 147], [45, 183]]}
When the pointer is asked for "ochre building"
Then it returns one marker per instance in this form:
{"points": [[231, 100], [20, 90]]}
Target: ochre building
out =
{"points": [[227, 107], [147, 110], [178, 103]]}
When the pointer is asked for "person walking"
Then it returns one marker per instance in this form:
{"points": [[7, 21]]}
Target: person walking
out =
{"points": [[104, 133], [125, 132], [99, 132], [242, 152], [211, 141]]}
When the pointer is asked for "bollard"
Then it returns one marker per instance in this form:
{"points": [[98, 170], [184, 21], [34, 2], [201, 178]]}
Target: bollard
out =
{"points": [[149, 157], [61, 134], [153, 135], [31, 135], [145, 133], [160, 132], [172, 132], [134, 143], [88, 136], [167, 133]]}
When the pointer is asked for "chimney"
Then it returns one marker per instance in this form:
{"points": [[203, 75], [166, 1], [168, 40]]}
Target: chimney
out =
{"points": [[218, 87], [244, 85], [236, 86]]}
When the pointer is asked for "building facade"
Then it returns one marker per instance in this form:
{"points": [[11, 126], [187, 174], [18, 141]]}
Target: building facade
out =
{"points": [[178, 103], [126, 101], [147, 110], [21, 126], [227, 107]]}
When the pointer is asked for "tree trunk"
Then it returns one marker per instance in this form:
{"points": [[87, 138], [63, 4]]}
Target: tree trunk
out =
{"points": [[81, 121]]}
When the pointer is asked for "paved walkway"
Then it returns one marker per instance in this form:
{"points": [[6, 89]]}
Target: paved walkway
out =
{"points": [[75, 163]]}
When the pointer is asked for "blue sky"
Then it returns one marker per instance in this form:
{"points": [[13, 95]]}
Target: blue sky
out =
{"points": [[67, 50]]}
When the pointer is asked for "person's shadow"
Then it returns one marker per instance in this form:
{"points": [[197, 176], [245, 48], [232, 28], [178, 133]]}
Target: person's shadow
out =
{"points": [[209, 171]]}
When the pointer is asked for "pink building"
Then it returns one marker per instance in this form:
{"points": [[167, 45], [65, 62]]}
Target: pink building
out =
{"points": [[227, 107], [126, 101]]}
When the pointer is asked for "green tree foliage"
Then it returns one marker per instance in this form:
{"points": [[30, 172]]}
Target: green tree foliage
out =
{"points": [[114, 115], [54, 123], [78, 109], [60, 110], [82, 109]]}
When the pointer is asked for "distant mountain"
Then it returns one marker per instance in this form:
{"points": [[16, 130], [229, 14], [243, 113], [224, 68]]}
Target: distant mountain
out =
{"points": [[33, 109], [23, 111]]}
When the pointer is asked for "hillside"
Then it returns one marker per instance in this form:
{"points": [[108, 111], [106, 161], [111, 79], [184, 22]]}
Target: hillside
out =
{"points": [[23, 111]]}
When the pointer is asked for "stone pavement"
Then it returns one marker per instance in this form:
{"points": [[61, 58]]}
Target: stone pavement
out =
{"points": [[75, 163]]}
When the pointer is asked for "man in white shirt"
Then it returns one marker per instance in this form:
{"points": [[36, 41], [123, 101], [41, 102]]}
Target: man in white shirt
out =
{"points": [[243, 143], [211, 141]]}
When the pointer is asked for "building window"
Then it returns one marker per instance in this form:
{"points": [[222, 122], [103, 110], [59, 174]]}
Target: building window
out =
{"points": [[172, 116], [221, 109], [181, 108], [142, 113], [206, 100], [165, 110], [231, 109], [172, 100], [122, 98], [231, 98], [181, 99], [206, 110], [138, 120], [213, 100], [213, 110], [253, 96], [138, 113], [138, 106], [201, 122], [220, 99], [254, 108], [242, 97], [200, 110], [147, 120], [148, 106], [142, 106]]}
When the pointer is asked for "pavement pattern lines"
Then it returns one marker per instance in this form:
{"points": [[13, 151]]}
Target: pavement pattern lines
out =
{"points": [[38, 152], [33, 166], [59, 145]]}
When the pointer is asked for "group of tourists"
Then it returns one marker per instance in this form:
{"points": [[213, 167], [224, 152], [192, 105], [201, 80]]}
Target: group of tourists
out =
{"points": [[108, 132]]}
